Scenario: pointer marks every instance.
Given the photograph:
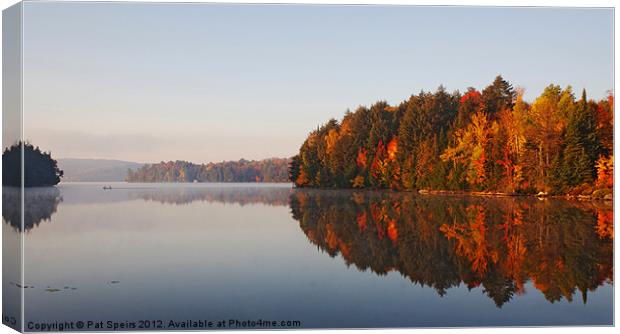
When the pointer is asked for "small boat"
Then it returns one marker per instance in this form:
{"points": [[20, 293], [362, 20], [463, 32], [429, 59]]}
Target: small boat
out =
{"points": [[107, 187]]}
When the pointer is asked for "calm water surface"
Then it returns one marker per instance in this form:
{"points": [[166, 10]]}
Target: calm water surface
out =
{"points": [[325, 258]]}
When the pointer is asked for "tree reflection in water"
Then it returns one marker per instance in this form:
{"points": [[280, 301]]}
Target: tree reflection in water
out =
{"points": [[39, 205], [564, 248], [272, 196], [499, 244]]}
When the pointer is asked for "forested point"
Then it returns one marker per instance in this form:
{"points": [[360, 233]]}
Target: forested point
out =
{"points": [[490, 141], [40, 170], [267, 170]]}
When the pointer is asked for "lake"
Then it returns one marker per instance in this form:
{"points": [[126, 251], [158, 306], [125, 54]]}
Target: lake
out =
{"points": [[325, 258]]}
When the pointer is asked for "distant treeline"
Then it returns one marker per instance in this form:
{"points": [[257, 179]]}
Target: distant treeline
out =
{"points": [[267, 170], [491, 140]]}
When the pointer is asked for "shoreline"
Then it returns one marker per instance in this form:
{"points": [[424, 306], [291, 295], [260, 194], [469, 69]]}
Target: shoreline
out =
{"points": [[502, 194], [580, 198]]}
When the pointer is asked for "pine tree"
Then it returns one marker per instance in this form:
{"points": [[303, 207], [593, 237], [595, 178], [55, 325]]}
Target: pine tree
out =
{"points": [[498, 96], [580, 147], [293, 170]]}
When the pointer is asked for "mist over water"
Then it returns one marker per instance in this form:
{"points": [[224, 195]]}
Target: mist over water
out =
{"points": [[325, 258]]}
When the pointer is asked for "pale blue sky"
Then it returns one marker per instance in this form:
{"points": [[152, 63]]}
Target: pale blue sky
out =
{"points": [[202, 82]]}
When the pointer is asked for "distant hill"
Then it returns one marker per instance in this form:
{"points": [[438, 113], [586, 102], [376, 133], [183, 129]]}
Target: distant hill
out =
{"points": [[97, 170]]}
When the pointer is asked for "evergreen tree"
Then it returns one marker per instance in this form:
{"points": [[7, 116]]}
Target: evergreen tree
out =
{"points": [[294, 168], [40, 170], [498, 96], [581, 147]]}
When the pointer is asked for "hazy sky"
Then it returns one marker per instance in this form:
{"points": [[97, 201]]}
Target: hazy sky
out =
{"points": [[201, 82]]}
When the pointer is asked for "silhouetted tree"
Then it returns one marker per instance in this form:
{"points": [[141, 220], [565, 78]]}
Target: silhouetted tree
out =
{"points": [[40, 170]]}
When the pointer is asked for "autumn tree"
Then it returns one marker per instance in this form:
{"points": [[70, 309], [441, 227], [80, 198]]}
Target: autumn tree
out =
{"points": [[487, 141], [544, 135]]}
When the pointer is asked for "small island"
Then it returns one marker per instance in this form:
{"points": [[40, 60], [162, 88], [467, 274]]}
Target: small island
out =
{"points": [[40, 169]]}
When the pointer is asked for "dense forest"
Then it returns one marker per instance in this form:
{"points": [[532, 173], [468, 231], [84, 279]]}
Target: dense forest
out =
{"points": [[40, 169], [491, 141], [267, 170]]}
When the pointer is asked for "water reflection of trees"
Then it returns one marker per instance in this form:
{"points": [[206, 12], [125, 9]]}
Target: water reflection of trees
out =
{"points": [[239, 195], [444, 241], [39, 205]]}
